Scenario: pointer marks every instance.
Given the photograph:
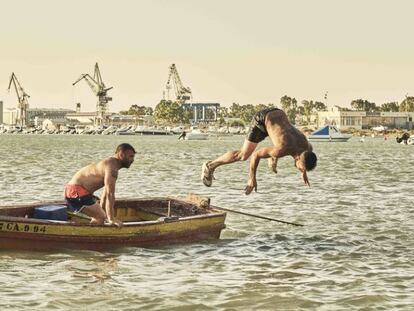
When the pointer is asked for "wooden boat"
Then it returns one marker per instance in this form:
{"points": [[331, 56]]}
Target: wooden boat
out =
{"points": [[147, 222]]}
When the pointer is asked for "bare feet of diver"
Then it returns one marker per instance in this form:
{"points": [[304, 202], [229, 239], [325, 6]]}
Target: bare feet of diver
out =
{"points": [[251, 184], [207, 175]]}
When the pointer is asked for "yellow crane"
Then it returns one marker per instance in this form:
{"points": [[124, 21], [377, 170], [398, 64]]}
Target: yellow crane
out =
{"points": [[182, 93], [22, 97], [100, 90]]}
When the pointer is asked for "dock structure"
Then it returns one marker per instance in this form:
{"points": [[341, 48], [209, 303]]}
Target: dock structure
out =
{"points": [[203, 112]]}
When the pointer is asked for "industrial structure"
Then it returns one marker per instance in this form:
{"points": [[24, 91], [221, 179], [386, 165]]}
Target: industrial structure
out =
{"points": [[201, 112], [22, 97], [182, 93], [21, 116], [100, 90]]}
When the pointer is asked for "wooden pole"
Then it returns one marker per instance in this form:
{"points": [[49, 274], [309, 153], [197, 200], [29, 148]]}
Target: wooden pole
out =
{"points": [[258, 216], [169, 209]]}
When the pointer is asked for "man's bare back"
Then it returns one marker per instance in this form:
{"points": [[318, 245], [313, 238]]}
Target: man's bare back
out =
{"points": [[91, 177], [286, 139], [79, 191]]}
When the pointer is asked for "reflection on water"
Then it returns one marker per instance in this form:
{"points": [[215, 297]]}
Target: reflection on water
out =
{"points": [[356, 250]]}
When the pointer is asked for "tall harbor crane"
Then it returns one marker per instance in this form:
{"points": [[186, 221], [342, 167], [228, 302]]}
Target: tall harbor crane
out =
{"points": [[182, 93], [22, 97], [98, 87]]}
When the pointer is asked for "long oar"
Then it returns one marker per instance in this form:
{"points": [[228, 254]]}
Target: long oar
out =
{"points": [[258, 216]]}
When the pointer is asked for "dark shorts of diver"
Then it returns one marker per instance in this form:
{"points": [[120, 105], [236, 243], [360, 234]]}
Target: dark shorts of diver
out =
{"points": [[78, 204], [257, 131]]}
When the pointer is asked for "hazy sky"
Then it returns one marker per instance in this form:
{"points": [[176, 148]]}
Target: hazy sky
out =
{"points": [[248, 52]]}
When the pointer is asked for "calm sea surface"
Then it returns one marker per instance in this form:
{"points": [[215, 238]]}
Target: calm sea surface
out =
{"points": [[355, 252]]}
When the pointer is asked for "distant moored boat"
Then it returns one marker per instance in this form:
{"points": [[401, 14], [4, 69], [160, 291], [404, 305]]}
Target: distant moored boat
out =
{"points": [[329, 133], [196, 134]]}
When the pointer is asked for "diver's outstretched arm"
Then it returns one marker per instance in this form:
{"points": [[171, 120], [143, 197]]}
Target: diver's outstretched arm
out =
{"points": [[263, 153]]}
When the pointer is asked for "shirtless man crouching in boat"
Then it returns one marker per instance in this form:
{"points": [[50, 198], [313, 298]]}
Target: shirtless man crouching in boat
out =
{"points": [[286, 139], [79, 191]]}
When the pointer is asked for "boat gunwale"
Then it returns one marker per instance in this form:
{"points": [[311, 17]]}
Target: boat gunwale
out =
{"points": [[125, 224], [213, 212], [19, 232]]}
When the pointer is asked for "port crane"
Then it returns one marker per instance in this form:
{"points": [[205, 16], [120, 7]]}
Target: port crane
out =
{"points": [[22, 97], [98, 87], [182, 93]]}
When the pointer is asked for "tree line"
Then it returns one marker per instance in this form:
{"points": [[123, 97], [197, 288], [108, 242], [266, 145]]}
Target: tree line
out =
{"points": [[407, 105], [171, 112]]}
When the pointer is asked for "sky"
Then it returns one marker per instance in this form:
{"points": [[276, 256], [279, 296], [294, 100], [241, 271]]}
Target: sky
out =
{"points": [[248, 52]]}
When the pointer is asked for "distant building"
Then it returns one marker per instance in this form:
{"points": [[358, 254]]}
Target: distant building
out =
{"points": [[204, 112], [10, 116], [1, 112], [122, 119], [88, 118], [36, 116], [365, 120], [85, 118], [78, 107]]}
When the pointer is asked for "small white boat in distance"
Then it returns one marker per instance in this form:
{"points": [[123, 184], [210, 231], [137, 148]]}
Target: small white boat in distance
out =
{"points": [[109, 130], [329, 133], [145, 130], [176, 130], [128, 130], [196, 134], [380, 128]]}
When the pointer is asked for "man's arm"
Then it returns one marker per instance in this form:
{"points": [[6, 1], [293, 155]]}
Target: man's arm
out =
{"points": [[263, 153], [108, 196], [103, 199]]}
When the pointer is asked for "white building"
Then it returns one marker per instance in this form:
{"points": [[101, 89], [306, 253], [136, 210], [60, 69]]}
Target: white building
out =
{"points": [[122, 119], [365, 120], [36, 116], [10, 116], [85, 118]]}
